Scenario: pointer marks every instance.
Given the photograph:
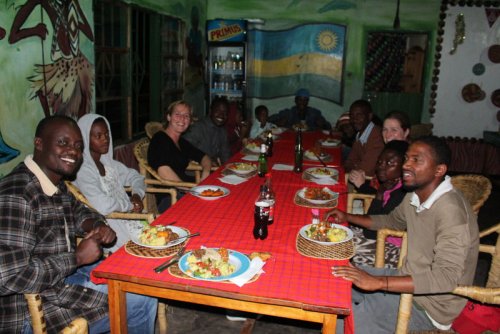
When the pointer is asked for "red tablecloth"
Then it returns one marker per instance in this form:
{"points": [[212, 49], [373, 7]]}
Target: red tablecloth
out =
{"points": [[228, 222]]}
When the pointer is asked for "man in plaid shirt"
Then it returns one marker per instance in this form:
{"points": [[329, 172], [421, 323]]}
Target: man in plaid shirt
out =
{"points": [[39, 219]]}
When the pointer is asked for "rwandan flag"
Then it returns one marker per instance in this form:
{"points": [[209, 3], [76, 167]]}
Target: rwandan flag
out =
{"points": [[308, 56]]}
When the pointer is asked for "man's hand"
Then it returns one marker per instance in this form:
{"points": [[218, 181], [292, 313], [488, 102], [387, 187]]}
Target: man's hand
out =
{"points": [[357, 177], [136, 200], [360, 278], [103, 233], [337, 216], [89, 249]]}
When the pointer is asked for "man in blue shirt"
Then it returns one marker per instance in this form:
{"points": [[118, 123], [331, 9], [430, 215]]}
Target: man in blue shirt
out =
{"points": [[301, 114]]}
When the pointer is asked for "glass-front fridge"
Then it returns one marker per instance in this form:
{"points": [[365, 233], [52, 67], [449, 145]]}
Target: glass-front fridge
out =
{"points": [[226, 61]]}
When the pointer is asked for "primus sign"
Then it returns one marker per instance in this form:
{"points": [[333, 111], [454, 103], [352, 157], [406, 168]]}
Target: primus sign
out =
{"points": [[226, 30]]}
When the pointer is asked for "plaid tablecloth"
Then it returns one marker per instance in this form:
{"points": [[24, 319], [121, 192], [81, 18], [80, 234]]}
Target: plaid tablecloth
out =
{"points": [[228, 222]]}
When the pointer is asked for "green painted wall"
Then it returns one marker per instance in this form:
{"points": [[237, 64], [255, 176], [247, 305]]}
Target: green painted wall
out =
{"points": [[360, 17], [19, 112]]}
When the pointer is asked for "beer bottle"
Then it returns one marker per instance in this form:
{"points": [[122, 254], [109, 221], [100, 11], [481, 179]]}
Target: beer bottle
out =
{"points": [[262, 162], [269, 144], [299, 153]]}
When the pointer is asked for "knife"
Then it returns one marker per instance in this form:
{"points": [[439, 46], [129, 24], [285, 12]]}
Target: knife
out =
{"points": [[171, 261], [322, 162]]}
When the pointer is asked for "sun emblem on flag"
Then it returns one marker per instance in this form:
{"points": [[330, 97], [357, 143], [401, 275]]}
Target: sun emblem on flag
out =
{"points": [[327, 40]]}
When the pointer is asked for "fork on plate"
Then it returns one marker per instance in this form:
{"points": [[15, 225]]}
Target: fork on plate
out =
{"points": [[171, 261]]}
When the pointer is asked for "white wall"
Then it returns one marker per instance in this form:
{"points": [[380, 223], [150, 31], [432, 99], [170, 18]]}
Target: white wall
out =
{"points": [[454, 116]]}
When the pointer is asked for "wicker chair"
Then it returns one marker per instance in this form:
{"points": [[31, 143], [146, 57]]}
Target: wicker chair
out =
{"points": [[476, 189], [155, 184], [152, 128], [149, 217], [77, 326]]}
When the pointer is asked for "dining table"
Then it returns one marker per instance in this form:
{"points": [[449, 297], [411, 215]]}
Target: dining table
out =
{"points": [[290, 285]]}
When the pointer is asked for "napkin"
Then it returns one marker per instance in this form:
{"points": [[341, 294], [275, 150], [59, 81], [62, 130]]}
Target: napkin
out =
{"points": [[326, 181], [250, 157], [282, 167], [232, 179], [255, 267]]}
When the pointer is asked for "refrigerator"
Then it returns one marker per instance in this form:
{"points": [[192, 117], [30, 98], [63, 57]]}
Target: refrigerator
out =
{"points": [[226, 61]]}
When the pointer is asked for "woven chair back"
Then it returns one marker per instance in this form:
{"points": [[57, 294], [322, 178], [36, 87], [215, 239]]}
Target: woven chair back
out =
{"points": [[476, 189]]}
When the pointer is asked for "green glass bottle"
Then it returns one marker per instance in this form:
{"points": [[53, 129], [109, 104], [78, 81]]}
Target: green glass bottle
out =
{"points": [[262, 166]]}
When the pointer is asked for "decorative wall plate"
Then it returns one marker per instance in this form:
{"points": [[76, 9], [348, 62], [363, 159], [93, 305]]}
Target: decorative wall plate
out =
{"points": [[494, 53], [478, 69], [495, 98], [472, 93]]}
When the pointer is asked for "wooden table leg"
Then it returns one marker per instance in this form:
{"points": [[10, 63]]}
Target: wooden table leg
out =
{"points": [[329, 323], [117, 307]]}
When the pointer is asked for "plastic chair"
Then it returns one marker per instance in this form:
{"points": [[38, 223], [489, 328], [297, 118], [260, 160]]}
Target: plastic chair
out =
{"points": [[476, 189], [77, 326], [154, 183]]}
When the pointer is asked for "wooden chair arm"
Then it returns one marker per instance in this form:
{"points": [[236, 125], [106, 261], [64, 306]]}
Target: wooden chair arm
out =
{"points": [[149, 217], [366, 198], [77, 326], [484, 295], [382, 235], [404, 313]]}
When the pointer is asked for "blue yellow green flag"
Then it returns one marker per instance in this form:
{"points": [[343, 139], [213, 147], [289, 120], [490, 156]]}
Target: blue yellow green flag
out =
{"points": [[307, 56]]}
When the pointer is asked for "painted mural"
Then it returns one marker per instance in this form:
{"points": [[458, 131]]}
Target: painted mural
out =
{"points": [[63, 84]]}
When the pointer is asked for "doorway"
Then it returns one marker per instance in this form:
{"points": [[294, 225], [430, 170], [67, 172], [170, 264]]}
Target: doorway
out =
{"points": [[394, 72]]}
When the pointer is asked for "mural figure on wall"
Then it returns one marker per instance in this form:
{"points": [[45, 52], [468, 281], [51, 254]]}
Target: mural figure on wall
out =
{"points": [[7, 153], [63, 86]]}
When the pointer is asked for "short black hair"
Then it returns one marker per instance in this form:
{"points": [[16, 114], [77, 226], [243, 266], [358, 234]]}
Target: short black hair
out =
{"points": [[45, 122], [219, 100], [362, 104], [401, 117], [398, 146], [440, 150], [259, 108]]}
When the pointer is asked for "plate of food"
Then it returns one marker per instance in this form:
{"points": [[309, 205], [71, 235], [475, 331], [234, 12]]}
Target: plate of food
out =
{"points": [[253, 147], [277, 131], [325, 233], [214, 264], [209, 193], [317, 195], [242, 167], [330, 142], [159, 236], [323, 172], [313, 155]]}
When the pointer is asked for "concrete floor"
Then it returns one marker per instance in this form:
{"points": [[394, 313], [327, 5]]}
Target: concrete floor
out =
{"points": [[185, 318]]}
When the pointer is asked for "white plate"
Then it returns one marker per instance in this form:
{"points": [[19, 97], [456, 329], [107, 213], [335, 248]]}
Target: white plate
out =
{"points": [[180, 231], [253, 148], [319, 201], [319, 172], [310, 155], [240, 261], [330, 142], [236, 167], [348, 230], [195, 191], [277, 131]]}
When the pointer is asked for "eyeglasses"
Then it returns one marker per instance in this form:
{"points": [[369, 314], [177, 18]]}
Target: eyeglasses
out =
{"points": [[390, 163], [181, 116]]}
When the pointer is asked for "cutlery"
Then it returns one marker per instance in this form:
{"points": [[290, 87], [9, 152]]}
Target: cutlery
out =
{"points": [[320, 160], [186, 236], [171, 261]]}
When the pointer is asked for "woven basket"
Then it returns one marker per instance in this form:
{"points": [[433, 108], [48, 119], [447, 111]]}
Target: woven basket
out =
{"points": [[339, 251]]}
